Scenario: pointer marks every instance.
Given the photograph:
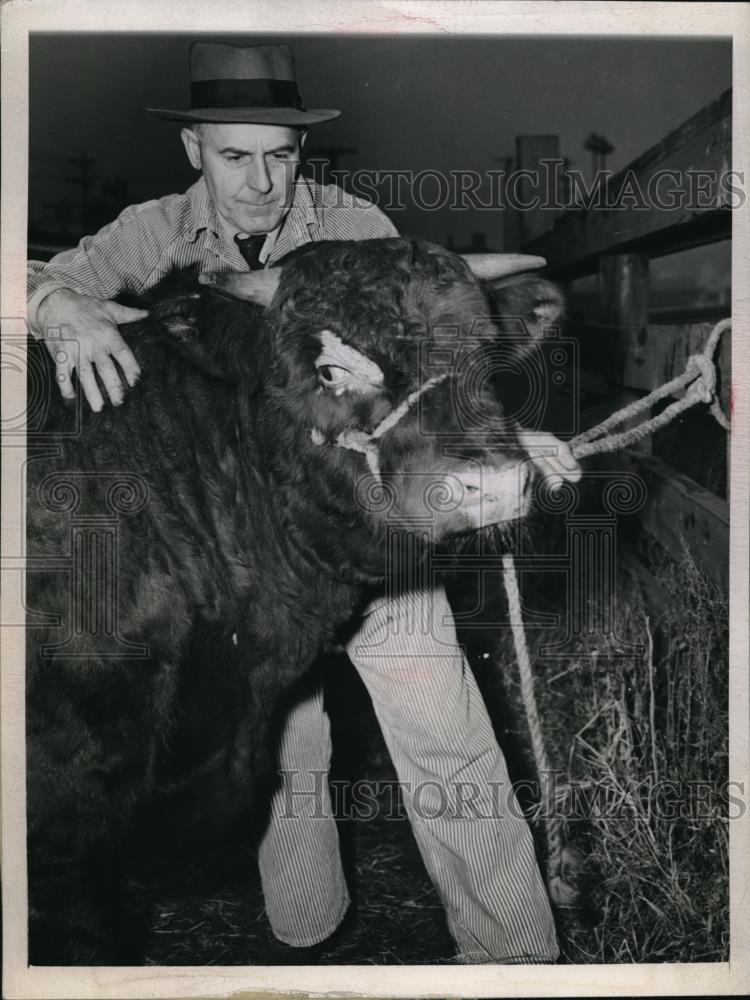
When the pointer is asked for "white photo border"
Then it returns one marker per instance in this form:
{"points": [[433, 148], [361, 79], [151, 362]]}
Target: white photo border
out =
{"points": [[423, 17]]}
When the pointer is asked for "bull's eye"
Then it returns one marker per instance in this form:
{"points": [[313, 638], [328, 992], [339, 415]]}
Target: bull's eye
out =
{"points": [[343, 369], [333, 375]]}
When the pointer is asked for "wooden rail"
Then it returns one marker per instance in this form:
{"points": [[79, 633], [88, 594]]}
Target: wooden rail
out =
{"points": [[699, 152], [631, 348], [645, 357]]}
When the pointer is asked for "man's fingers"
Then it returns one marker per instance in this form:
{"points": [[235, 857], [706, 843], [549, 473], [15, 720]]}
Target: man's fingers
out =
{"points": [[98, 347], [87, 381], [101, 362], [109, 376], [117, 346], [64, 358], [557, 467], [64, 381], [126, 360], [124, 314], [555, 472], [567, 459]]}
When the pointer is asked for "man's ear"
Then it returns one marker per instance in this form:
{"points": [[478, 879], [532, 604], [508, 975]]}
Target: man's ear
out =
{"points": [[192, 145], [302, 138]]}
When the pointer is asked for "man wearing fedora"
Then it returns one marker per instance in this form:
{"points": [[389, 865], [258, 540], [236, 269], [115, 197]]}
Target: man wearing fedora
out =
{"points": [[244, 132]]}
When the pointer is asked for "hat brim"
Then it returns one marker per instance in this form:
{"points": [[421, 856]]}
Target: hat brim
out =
{"points": [[250, 116]]}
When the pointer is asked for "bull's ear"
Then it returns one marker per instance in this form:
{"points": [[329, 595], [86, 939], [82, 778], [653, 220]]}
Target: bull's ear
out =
{"points": [[220, 337], [525, 305]]}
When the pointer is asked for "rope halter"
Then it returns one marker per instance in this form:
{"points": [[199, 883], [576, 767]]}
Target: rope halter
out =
{"points": [[367, 444]]}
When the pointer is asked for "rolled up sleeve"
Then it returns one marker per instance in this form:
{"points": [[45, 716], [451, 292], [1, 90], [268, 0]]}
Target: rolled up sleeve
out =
{"points": [[119, 257]]}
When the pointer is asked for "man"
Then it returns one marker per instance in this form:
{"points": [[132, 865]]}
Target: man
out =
{"points": [[244, 132]]}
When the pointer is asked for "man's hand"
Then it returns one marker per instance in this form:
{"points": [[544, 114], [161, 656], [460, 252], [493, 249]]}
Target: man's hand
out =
{"points": [[553, 458], [92, 324]]}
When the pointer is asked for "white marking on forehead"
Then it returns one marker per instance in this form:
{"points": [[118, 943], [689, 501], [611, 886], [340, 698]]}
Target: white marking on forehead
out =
{"points": [[336, 352]]}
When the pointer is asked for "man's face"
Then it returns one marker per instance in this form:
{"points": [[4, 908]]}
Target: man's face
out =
{"points": [[249, 169]]}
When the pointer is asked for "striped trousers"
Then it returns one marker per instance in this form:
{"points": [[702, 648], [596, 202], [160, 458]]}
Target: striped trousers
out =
{"points": [[473, 838]]}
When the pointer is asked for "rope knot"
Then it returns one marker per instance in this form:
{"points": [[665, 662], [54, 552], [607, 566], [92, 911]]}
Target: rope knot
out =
{"points": [[361, 441], [355, 440], [705, 385]]}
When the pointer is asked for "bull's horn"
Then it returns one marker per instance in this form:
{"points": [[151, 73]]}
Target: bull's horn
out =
{"points": [[253, 286], [488, 266]]}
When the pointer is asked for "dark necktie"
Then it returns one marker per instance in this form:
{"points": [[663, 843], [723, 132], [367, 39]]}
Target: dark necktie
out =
{"points": [[250, 248]]}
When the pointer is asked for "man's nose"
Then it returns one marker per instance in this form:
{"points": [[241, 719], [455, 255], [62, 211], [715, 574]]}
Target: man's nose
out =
{"points": [[258, 178]]}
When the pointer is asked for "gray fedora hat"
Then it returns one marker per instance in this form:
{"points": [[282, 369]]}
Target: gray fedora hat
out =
{"points": [[253, 83]]}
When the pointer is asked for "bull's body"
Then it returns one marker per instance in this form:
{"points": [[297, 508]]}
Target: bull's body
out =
{"points": [[209, 574], [241, 552]]}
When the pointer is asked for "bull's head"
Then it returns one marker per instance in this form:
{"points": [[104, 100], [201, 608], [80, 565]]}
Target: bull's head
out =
{"points": [[380, 357]]}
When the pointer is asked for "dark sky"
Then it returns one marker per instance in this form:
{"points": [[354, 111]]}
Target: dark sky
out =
{"points": [[408, 102]]}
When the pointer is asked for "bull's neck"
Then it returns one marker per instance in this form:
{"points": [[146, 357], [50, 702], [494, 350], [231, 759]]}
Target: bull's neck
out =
{"points": [[324, 530]]}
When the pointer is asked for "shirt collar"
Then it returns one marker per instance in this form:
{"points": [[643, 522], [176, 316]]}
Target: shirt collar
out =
{"points": [[297, 228], [301, 222], [202, 213]]}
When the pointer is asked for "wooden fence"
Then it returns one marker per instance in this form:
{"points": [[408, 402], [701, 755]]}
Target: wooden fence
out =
{"points": [[628, 349]]}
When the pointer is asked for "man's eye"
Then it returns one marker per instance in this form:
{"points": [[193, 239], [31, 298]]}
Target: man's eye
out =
{"points": [[331, 375]]}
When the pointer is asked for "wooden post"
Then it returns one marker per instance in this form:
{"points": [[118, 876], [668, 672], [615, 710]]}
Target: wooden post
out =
{"points": [[623, 299]]}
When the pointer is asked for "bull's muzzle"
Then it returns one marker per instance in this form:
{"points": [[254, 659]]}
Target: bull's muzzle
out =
{"points": [[485, 496]]}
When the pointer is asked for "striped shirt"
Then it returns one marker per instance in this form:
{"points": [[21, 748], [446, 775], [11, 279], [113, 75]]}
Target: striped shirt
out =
{"points": [[147, 241]]}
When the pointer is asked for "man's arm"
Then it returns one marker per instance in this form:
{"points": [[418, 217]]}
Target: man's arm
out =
{"points": [[70, 296]]}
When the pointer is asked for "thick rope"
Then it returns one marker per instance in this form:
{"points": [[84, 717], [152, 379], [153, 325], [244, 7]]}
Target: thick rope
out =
{"points": [[553, 827], [699, 378], [367, 443]]}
